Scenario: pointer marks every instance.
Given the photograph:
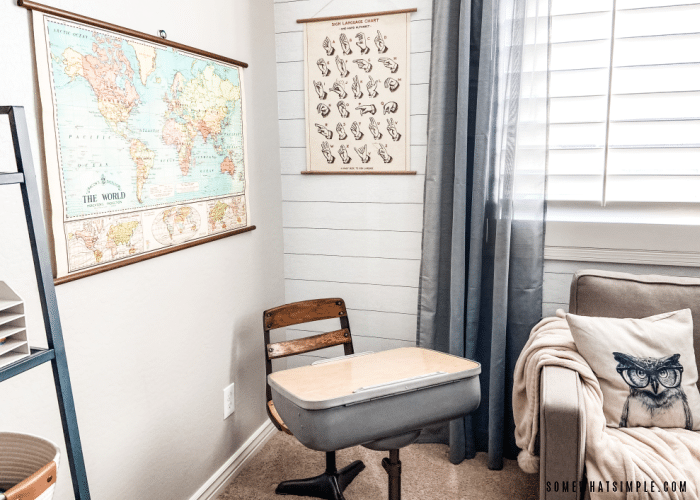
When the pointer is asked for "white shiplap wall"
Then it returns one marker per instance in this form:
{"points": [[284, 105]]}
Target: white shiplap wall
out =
{"points": [[558, 274], [355, 237]]}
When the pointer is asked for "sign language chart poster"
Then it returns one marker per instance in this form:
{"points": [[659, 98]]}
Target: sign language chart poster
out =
{"points": [[357, 93]]}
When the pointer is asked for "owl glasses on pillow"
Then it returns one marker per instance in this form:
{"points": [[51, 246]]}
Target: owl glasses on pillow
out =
{"points": [[655, 392]]}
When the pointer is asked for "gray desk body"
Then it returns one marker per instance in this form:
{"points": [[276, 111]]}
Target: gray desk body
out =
{"points": [[362, 422]]}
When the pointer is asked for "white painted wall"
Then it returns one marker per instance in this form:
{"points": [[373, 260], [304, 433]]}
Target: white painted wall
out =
{"points": [[151, 346], [355, 237]]}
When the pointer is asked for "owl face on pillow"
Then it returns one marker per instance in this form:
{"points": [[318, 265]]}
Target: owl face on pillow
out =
{"points": [[656, 396]]}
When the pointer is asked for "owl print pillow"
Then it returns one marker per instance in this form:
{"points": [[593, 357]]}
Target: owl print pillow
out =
{"points": [[646, 368]]}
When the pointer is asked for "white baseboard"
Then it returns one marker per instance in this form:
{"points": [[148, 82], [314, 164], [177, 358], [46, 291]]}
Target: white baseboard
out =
{"points": [[216, 484]]}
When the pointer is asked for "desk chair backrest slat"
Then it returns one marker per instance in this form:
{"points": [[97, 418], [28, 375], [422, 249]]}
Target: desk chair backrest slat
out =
{"points": [[303, 312], [308, 344], [297, 313]]}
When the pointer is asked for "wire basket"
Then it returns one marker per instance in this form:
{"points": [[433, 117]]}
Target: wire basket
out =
{"points": [[28, 467]]}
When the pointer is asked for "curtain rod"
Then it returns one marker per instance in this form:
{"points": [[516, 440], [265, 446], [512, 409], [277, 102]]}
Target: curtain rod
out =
{"points": [[29, 5]]}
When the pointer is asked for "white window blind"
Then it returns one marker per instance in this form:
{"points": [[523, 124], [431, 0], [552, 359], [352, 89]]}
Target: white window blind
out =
{"points": [[624, 102]]}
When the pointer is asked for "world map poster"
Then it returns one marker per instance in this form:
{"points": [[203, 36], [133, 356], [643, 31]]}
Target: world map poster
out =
{"points": [[145, 145]]}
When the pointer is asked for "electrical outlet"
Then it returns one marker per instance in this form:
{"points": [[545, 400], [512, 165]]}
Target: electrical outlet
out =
{"points": [[228, 401]]}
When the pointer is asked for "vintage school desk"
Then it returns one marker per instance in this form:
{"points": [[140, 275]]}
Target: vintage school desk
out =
{"points": [[379, 400]]}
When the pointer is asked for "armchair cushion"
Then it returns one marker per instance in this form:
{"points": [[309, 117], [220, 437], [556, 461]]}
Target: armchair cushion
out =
{"points": [[646, 368]]}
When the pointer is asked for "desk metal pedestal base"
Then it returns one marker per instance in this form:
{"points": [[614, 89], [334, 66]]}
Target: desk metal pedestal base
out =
{"points": [[329, 485], [392, 466]]}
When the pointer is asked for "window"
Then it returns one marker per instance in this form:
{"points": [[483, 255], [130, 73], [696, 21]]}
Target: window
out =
{"points": [[624, 112]]}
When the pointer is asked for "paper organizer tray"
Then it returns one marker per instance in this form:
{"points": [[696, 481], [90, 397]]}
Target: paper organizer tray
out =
{"points": [[13, 330], [355, 400]]}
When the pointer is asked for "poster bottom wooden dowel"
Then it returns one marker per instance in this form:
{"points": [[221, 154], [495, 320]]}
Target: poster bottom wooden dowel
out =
{"points": [[146, 256]]}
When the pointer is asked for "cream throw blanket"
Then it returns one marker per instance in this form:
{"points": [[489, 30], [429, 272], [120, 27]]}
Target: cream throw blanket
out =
{"points": [[612, 454]]}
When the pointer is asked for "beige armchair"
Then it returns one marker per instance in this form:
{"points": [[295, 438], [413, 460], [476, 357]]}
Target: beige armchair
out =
{"points": [[562, 415]]}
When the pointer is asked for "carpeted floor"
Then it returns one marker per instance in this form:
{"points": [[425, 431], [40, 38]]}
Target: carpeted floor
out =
{"points": [[426, 474]]}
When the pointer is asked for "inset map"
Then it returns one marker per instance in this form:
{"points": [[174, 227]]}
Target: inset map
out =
{"points": [[226, 213], [176, 225], [100, 241]]}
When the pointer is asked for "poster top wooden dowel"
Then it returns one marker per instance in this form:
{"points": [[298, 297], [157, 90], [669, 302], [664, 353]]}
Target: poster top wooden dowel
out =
{"points": [[46, 9], [368, 14]]}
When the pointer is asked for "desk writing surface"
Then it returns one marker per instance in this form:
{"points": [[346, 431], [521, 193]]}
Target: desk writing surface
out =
{"points": [[341, 378]]}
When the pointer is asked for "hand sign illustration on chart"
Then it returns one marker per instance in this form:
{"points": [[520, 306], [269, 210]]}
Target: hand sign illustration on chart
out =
{"points": [[363, 64], [391, 84], [326, 150], [328, 134], [323, 110], [319, 90], [323, 67], [374, 128], [389, 63], [341, 66], [390, 107], [367, 108], [343, 152], [356, 89], [383, 153], [341, 132], [362, 43], [379, 42], [391, 128], [345, 44], [339, 88], [372, 87], [343, 109], [328, 47], [355, 129], [363, 154]]}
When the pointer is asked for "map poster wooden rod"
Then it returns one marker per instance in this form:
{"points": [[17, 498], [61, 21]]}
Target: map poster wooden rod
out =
{"points": [[359, 172], [29, 5], [351, 16], [140, 258]]}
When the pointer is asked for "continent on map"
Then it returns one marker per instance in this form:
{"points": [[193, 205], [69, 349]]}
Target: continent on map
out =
{"points": [[227, 166], [143, 157], [89, 235], [181, 136], [120, 234], [198, 107], [104, 71]]}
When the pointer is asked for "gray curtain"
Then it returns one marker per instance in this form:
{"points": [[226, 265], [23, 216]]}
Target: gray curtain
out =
{"points": [[483, 238]]}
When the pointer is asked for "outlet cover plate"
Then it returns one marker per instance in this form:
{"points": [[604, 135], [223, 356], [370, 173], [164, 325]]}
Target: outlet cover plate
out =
{"points": [[228, 401]]}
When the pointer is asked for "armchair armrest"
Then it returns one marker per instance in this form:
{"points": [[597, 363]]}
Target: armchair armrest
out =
{"points": [[562, 434]]}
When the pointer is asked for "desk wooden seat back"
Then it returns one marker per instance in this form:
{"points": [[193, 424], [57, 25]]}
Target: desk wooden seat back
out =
{"points": [[295, 314]]}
